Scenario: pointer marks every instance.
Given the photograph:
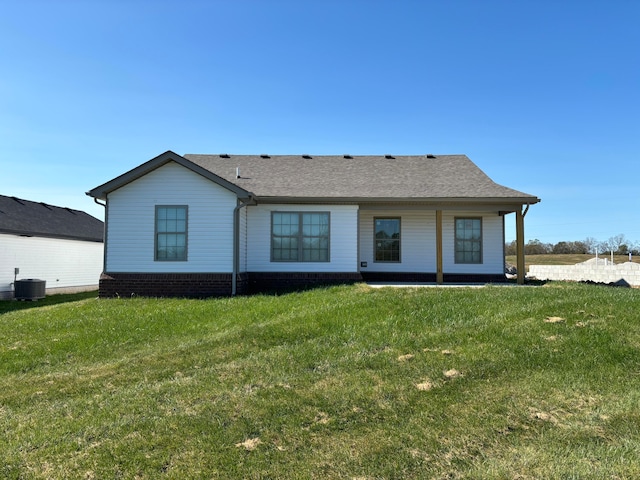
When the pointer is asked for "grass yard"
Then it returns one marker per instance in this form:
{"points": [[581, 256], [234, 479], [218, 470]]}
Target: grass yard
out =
{"points": [[343, 382]]}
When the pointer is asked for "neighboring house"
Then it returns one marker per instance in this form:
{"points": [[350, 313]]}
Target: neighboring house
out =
{"points": [[62, 246], [201, 225]]}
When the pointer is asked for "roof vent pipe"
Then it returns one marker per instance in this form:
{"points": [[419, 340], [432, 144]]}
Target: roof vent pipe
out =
{"points": [[237, 172]]}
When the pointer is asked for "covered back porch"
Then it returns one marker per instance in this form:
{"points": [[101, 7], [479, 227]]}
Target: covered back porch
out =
{"points": [[437, 243]]}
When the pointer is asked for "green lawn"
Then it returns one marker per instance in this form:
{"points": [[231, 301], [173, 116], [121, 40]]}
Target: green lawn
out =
{"points": [[345, 382]]}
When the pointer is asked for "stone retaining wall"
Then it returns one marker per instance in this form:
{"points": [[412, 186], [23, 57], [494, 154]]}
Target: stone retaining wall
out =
{"points": [[594, 270]]}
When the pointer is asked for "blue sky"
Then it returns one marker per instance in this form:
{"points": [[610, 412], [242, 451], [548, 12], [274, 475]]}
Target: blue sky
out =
{"points": [[543, 95]]}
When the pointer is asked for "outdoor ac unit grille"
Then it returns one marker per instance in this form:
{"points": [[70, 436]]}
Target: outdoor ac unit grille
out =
{"points": [[29, 289]]}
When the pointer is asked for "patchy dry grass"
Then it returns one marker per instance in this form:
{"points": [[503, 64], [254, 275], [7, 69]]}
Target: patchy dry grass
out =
{"points": [[344, 382]]}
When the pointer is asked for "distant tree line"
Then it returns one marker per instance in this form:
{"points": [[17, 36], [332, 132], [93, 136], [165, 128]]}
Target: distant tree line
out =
{"points": [[619, 244]]}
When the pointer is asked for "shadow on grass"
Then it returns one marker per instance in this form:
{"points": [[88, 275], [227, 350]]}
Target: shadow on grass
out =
{"points": [[291, 289], [13, 305], [527, 281]]}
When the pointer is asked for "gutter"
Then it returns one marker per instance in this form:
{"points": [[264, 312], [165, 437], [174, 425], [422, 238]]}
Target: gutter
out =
{"points": [[236, 241], [423, 201]]}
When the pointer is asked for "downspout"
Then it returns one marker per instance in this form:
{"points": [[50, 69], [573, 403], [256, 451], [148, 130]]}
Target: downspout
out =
{"points": [[104, 234], [236, 242]]}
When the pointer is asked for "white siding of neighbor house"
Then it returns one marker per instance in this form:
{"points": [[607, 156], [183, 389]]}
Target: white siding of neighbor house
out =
{"points": [[492, 244], [65, 265], [343, 246], [131, 223], [418, 242]]}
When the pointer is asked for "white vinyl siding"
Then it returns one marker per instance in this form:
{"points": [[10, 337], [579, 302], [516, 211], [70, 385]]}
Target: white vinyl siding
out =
{"points": [[63, 264], [417, 241], [131, 222], [343, 239], [131, 232], [492, 244]]}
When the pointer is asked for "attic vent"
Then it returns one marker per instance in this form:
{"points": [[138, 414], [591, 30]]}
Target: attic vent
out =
{"points": [[389, 157], [348, 156], [225, 155], [430, 155], [18, 200], [264, 155], [70, 211], [307, 156], [46, 206]]}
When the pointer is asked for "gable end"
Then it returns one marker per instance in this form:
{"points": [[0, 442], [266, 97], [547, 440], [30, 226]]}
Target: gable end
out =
{"points": [[101, 191]]}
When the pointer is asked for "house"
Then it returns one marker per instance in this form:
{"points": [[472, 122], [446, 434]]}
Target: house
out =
{"points": [[62, 246], [201, 225]]}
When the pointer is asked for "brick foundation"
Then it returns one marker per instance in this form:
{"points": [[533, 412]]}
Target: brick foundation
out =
{"points": [[190, 285], [273, 281], [202, 285]]}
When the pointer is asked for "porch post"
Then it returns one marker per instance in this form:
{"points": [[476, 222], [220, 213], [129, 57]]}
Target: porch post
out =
{"points": [[439, 273], [520, 245]]}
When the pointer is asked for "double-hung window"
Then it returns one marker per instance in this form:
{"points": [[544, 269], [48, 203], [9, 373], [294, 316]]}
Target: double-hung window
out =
{"points": [[387, 239], [300, 236], [171, 233], [468, 243]]}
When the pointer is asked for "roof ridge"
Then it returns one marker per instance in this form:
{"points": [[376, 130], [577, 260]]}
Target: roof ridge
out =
{"points": [[269, 155]]}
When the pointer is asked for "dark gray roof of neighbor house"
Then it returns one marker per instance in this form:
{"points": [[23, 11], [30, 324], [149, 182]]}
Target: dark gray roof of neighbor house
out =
{"points": [[33, 219], [360, 177]]}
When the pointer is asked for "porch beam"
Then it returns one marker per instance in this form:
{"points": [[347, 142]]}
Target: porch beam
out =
{"points": [[439, 269], [497, 209], [520, 246]]}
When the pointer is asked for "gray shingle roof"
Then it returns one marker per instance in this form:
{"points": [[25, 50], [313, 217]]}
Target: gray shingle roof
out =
{"points": [[425, 179], [23, 217], [366, 177]]}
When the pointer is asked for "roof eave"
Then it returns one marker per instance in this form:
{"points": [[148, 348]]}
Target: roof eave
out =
{"points": [[25, 233], [494, 201], [103, 190]]}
